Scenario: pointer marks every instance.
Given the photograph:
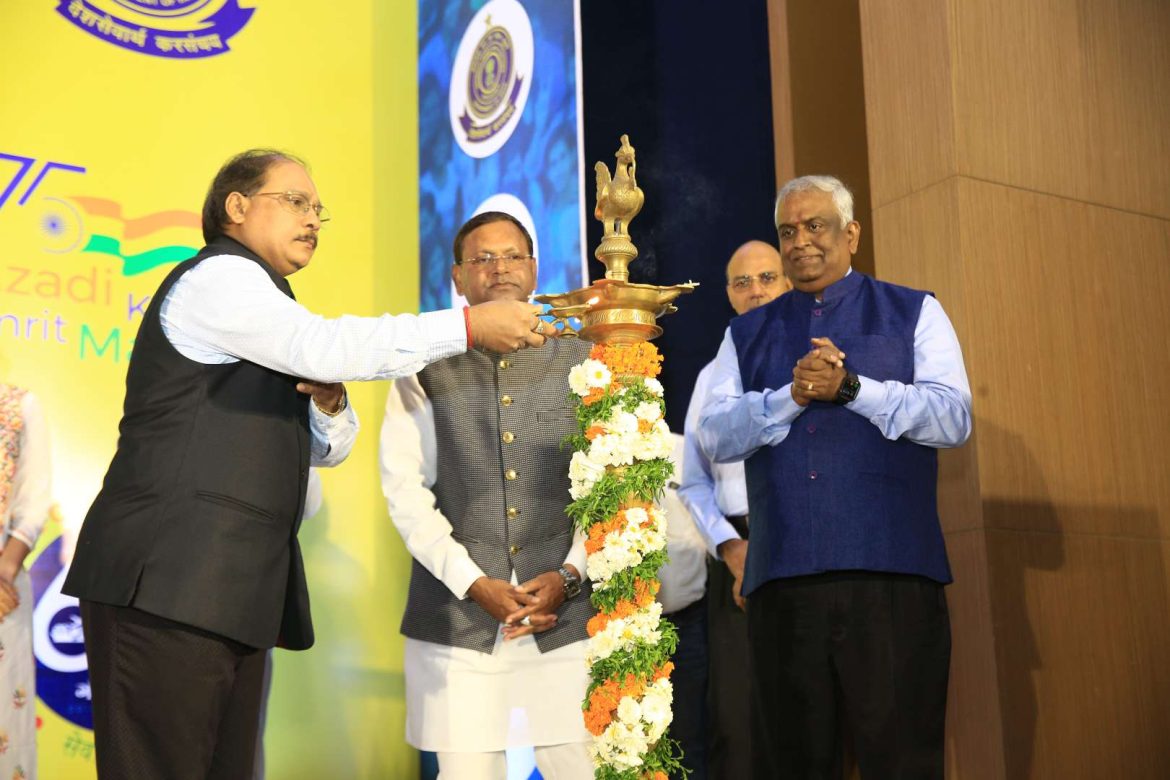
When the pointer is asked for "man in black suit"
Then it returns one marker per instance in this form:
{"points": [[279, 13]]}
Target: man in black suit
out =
{"points": [[187, 565]]}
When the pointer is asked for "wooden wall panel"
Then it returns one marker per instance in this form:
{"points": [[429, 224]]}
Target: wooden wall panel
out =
{"points": [[974, 725], [818, 98], [1064, 288], [917, 243], [1020, 168], [1082, 646], [908, 63], [1067, 97]]}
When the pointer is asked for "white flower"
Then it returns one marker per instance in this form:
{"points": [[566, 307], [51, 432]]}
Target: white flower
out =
{"points": [[597, 373], [654, 386], [648, 412], [623, 633], [612, 450], [583, 475], [622, 422], [578, 380], [635, 516], [629, 711], [655, 707]]}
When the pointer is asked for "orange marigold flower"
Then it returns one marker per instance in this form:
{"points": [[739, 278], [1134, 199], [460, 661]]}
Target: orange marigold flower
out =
{"points": [[595, 395], [598, 532], [644, 426], [603, 701], [594, 431], [644, 591], [641, 359], [631, 687], [664, 670]]}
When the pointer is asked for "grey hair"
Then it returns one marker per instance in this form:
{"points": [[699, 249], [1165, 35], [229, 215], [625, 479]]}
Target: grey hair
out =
{"points": [[842, 197]]}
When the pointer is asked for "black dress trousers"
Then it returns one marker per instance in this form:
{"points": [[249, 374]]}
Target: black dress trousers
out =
{"points": [[868, 649], [170, 700]]}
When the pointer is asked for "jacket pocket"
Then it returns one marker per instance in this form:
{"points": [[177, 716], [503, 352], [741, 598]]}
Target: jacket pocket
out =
{"points": [[235, 503]]}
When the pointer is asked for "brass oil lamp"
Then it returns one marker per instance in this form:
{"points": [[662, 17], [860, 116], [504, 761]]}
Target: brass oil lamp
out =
{"points": [[613, 310]]}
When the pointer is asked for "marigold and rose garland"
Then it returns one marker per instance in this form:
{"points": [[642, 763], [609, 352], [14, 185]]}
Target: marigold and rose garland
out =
{"points": [[620, 465]]}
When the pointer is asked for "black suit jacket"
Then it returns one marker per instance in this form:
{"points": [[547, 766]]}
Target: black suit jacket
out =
{"points": [[198, 515]]}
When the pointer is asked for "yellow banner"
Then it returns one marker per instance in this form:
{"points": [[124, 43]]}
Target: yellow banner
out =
{"points": [[116, 115]]}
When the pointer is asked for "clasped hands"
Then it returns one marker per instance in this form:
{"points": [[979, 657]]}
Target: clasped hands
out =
{"points": [[528, 608], [818, 375]]}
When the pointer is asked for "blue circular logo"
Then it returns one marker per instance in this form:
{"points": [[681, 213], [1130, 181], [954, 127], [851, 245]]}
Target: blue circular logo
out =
{"points": [[58, 644]]}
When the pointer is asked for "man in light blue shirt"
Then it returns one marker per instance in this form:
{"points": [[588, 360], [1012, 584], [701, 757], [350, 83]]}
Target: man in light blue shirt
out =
{"points": [[716, 496], [837, 397]]}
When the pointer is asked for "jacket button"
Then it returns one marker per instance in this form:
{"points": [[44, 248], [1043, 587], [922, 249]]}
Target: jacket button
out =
{"points": [[513, 512], [503, 363], [508, 437], [812, 475], [510, 474], [506, 400], [514, 549], [812, 429]]}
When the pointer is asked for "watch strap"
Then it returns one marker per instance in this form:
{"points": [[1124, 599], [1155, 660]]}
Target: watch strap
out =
{"points": [[572, 582]]}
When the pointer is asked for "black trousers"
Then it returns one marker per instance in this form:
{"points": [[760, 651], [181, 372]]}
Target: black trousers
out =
{"points": [[169, 700], [690, 687], [870, 649], [729, 694]]}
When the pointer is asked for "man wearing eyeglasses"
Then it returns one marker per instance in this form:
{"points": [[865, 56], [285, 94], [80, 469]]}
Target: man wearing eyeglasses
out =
{"points": [[838, 395], [716, 496], [476, 483], [187, 565]]}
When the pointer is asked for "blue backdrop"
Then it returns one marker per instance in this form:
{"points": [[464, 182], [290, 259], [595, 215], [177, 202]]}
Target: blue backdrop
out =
{"points": [[532, 109]]}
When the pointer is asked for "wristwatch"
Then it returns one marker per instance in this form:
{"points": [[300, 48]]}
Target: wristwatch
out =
{"points": [[850, 385], [572, 582]]}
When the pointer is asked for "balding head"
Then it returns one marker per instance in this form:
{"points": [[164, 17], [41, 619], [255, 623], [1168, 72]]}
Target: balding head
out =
{"points": [[754, 276]]}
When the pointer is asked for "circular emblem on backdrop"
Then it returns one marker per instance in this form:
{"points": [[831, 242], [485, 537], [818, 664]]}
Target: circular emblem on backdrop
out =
{"points": [[174, 29], [509, 204], [58, 644], [491, 77]]}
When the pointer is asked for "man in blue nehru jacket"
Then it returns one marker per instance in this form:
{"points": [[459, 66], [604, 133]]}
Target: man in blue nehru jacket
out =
{"points": [[837, 397]]}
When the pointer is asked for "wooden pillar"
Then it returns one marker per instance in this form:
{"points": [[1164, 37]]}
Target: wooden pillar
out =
{"points": [[1019, 167]]}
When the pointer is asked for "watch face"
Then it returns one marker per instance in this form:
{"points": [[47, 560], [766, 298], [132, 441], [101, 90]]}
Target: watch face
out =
{"points": [[848, 390]]}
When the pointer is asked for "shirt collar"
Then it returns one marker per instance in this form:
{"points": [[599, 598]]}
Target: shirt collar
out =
{"points": [[835, 291]]}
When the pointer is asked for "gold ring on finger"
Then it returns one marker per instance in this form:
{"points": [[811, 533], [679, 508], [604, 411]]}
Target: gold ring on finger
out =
{"points": [[810, 385]]}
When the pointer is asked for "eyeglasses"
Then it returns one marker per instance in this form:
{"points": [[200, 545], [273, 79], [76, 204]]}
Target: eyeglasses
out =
{"points": [[299, 203], [767, 279], [486, 259]]}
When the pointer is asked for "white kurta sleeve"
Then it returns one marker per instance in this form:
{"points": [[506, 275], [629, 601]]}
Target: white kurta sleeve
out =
{"points": [[408, 458]]}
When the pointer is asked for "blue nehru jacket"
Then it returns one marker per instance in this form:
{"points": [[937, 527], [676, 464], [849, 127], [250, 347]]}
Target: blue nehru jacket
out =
{"points": [[835, 494]]}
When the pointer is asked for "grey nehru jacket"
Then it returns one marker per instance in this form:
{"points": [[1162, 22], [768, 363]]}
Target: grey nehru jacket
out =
{"points": [[502, 482]]}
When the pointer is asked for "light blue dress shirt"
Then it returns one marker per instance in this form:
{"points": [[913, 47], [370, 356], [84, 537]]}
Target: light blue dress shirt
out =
{"points": [[935, 410], [711, 491]]}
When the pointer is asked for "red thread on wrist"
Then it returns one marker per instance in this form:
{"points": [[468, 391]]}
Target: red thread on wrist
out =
{"points": [[467, 324]]}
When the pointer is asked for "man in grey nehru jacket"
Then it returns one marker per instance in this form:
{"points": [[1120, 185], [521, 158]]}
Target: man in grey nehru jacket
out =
{"points": [[477, 485]]}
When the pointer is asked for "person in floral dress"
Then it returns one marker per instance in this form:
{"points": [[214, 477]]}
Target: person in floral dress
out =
{"points": [[25, 503]]}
